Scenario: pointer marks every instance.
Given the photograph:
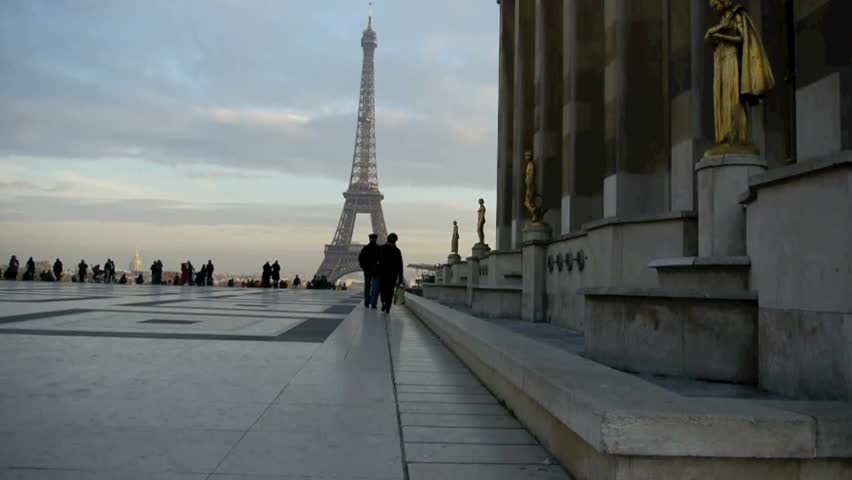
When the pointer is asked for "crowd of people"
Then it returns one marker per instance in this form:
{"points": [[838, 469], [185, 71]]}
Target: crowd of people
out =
{"points": [[271, 276]]}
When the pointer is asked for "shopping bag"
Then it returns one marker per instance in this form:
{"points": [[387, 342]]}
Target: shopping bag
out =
{"points": [[399, 296]]}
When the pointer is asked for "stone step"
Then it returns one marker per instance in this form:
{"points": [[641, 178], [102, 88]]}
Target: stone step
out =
{"points": [[706, 334], [729, 273]]}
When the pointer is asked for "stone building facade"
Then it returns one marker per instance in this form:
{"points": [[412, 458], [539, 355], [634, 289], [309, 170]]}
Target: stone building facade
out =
{"points": [[614, 98], [662, 260]]}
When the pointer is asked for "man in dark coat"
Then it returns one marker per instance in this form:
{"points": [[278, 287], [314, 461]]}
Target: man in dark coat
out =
{"points": [[29, 273], [81, 271], [267, 272], [57, 270], [390, 271], [368, 259], [209, 273], [276, 273]]}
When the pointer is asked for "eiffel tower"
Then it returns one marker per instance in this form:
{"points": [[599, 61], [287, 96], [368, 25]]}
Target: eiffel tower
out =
{"points": [[363, 195]]}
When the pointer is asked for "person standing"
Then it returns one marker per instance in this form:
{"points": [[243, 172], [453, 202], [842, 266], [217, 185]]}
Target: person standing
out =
{"points": [[267, 272], [390, 271], [190, 270], [297, 282], [209, 273], [81, 271], [276, 273], [29, 273], [368, 259], [57, 270], [12, 270], [109, 271]]}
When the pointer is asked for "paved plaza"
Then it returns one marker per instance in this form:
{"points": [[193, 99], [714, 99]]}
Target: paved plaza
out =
{"points": [[182, 383]]}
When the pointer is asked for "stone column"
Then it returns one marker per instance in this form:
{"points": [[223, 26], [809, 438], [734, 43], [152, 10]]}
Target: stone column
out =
{"points": [[690, 96], [823, 78], [505, 124], [534, 283], [547, 141], [637, 114], [524, 109], [582, 113]]}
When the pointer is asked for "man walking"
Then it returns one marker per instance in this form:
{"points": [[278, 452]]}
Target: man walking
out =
{"points": [[368, 259], [276, 274], [81, 271], [209, 273], [390, 271], [57, 270]]}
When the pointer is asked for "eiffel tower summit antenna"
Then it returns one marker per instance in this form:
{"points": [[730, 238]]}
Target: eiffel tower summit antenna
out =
{"points": [[363, 195]]}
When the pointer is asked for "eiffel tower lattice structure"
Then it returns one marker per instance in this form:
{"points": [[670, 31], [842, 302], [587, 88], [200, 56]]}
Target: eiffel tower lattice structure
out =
{"points": [[363, 195]]}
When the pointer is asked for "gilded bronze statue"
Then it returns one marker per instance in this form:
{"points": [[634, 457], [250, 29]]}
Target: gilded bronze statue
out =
{"points": [[480, 222], [532, 200], [742, 76], [454, 243]]}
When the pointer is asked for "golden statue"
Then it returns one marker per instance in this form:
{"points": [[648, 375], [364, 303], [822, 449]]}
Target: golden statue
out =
{"points": [[454, 243], [480, 222], [742, 76], [532, 200]]}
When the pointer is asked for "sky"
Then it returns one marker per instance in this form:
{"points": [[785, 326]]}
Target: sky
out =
{"points": [[224, 129]]}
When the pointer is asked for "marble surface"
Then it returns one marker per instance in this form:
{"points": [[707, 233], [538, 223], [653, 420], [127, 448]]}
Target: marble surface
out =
{"points": [[237, 395]]}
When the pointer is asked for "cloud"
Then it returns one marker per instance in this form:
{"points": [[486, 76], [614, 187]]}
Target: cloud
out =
{"points": [[258, 85]]}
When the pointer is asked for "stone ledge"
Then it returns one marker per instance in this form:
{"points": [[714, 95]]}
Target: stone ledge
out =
{"points": [[684, 262], [498, 288], [659, 217], [516, 251], [684, 293], [838, 160], [448, 285], [615, 413]]}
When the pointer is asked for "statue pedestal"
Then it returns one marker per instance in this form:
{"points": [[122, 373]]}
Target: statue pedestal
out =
{"points": [[534, 251], [480, 250], [453, 258], [721, 218]]}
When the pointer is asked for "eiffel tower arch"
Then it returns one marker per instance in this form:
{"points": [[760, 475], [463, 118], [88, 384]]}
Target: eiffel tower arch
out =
{"points": [[363, 196]]}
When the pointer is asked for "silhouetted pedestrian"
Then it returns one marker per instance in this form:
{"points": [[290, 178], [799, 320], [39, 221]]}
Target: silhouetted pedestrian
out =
{"points": [[210, 273], [276, 273], [29, 273], [12, 270], [57, 269], [81, 271], [368, 259], [390, 271], [267, 273], [297, 282]]}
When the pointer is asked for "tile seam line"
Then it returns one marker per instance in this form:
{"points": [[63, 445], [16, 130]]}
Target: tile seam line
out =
{"points": [[396, 399]]}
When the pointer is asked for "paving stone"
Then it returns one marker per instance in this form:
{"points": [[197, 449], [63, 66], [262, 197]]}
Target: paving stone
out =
{"points": [[483, 398], [446, 420], [455, 408], [452, 389], [316, 454], [498, 436], [433, 471], [456, 453]]}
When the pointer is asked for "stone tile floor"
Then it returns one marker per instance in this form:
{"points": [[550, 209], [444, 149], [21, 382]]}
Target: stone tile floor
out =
{"points": [[239, 384]]}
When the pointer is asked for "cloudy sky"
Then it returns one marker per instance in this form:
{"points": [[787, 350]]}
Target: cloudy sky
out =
{"points": [[224, 129]]}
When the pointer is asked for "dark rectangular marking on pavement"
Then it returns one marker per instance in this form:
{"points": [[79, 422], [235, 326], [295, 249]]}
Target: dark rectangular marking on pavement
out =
{"points": [[340, 309], [154, 303], [171, 322], [315, 330], [250, 306], [310, 331], [39, 315], [51, 300]]}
